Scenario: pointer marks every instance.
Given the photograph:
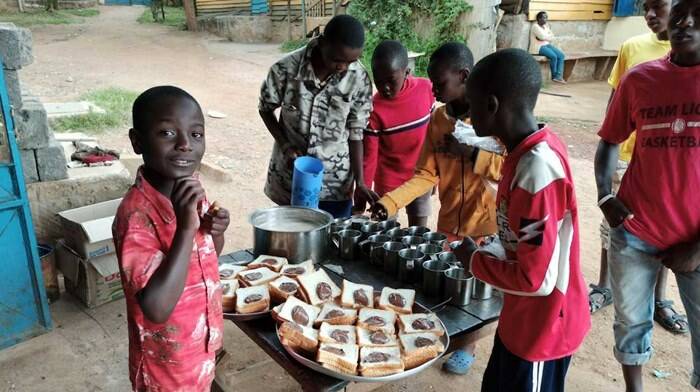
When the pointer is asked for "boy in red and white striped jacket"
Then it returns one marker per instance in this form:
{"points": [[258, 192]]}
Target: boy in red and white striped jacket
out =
{"points": [[535, 261]]}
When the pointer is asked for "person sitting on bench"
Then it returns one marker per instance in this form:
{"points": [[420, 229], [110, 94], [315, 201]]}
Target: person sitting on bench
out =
{"points": [[541, 38]]}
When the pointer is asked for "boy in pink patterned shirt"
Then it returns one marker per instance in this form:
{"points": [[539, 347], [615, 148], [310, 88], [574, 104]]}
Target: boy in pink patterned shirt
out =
{"points": [[167, 239]]}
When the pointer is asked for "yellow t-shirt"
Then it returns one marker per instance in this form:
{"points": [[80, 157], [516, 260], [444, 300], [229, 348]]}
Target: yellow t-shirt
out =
{"points": [[634, 51]]}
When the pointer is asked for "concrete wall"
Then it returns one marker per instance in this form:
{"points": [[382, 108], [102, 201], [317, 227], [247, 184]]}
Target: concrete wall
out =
{"points": [[255, 29], [571, 36], [621, 29], [62, 4], [8, 5]]}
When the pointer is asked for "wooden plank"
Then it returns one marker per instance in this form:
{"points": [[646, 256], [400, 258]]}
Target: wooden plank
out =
{"points": [[226, 2], [575, 15], [603, 2], [567, 7]]}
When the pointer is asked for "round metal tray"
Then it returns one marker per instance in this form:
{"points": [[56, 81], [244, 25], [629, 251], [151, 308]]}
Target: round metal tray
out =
{"points": [[311, 364], [246, 317]]}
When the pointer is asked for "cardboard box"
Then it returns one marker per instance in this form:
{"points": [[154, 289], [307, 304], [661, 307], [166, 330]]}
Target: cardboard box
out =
{"points": [[88, 230], [94, 281]]}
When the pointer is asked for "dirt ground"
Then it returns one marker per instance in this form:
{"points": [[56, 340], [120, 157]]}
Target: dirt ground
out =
{"points": [[87, 349]]}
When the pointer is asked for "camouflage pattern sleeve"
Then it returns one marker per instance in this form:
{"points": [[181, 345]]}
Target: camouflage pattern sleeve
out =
{"points": [[272, 90], [358, 117]]}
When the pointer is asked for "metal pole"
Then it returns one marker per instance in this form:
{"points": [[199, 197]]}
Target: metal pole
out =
{"points": [[303, 15], [335, 7], [20, 4]]}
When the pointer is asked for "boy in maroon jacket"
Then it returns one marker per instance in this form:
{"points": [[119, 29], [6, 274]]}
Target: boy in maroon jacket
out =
{"points": [[398, 126], [535, 260]]}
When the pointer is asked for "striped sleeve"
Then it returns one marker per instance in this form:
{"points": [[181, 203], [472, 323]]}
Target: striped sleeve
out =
{"points": [[538, 216]]}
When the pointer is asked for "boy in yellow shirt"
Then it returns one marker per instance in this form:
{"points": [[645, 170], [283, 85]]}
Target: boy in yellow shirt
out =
{"points": [[461, 172], [634, 51]]}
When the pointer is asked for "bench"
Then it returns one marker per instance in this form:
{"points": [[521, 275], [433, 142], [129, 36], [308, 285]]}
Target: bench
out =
{"points": [[582, 66]]}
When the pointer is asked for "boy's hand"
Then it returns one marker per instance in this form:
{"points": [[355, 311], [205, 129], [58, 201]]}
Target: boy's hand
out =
{"points": [[365, 195], [465, 251], [216, 220], [615, 212], [292, 153], [682, 258], [456, 148], [379, 212], [186, 195]]}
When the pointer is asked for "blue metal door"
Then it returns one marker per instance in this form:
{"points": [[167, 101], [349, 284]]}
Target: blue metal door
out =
{"points": [[24, 310]]}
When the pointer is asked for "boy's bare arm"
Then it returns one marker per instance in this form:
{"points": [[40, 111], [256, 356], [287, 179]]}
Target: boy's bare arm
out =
{"points": [[279, 134], [606, 157], [356, 161], [163, 290]]}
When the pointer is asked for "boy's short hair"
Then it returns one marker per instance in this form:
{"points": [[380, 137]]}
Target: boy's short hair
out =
{"points": [[144, 103], [391, 53], [455, 54], [512, 75], [345, 30]]}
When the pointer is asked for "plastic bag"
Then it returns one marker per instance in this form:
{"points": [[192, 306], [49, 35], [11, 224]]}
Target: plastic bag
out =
{"points": [[465, 134]]}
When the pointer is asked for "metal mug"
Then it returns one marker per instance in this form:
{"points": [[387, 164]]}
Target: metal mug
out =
{"points": [[339, 224], [436, 238], [418, 231], [458, 286], [347, 242], [455, 244], [389, 224], [449, 258], [482, 290], [373, 248], [434, 277], [431, 251], [397, 233], [408, 264], [412, 241], [369, 229], [391, 257], [357, 221]]}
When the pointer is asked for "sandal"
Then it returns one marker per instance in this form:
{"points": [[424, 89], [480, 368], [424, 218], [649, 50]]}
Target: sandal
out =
{"points": [[675, 323], [605, 292], [459, 363]]}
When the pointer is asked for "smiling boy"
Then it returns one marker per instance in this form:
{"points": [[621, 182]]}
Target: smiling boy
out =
{"points": [[167, 240]]}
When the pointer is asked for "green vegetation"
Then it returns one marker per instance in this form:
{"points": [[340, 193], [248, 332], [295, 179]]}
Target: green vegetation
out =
{"points": [[290, 46], [174, 17], [117, 105], [397, 19], [43, 17]]}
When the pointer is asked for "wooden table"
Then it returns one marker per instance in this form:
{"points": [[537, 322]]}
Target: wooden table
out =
{"points": [[460, 321]]}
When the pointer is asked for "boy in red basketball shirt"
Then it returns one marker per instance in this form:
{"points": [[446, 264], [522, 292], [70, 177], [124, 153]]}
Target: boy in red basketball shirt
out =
{"points": [[167, 239], [397, 128], [535, 260], [654, 218]]}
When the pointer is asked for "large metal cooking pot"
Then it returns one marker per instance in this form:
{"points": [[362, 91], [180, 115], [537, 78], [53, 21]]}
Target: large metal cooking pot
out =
{"points": [[296, 233]]}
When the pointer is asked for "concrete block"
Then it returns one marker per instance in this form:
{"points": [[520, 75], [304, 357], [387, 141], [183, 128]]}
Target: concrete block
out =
{"points": [[32, 125], [51, 163], [31, 174], [14, 89], [84, 186], [15, 46]]}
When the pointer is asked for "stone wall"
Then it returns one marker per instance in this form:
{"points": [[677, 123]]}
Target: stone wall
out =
{"points": [[572, 36], [8, 6], [41, 155], [254, 29], [62, 4]]}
